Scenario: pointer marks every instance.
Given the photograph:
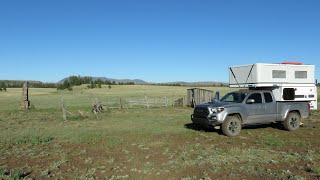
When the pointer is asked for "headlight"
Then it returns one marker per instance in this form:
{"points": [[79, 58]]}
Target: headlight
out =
{"points": [[217, 110]]}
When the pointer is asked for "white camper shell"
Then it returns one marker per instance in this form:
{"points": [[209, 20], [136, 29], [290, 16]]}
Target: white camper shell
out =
{"points": [[289, 82]]}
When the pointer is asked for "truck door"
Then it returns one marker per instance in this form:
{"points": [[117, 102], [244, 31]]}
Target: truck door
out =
{"points": [[270, 106], [255, 108]]}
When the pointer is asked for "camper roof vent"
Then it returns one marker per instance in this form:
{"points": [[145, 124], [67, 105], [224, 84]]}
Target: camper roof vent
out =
{"points": [[293, 63]]}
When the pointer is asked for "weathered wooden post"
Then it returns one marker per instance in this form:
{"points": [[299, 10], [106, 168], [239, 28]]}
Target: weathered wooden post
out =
{"points": [[165, 101], [64, 114], [147, 103], [121, 105], [25, 103]]}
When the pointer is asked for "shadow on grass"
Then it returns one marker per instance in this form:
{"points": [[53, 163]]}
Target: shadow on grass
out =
{"points": [[197, 127], [263, 126]]}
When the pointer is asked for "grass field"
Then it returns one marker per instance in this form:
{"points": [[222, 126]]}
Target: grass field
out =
{"points": [[142, 143]]}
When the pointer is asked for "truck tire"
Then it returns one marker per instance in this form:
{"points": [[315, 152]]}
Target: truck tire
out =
{"points": [[292, 122], [231, 126]]}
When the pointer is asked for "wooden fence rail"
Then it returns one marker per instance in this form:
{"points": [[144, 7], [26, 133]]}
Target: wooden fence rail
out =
{"points": [[143, 102]]}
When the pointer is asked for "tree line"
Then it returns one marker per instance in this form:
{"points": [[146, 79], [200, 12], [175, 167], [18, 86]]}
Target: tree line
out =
{"points": [[71, 81], [19, 84]]}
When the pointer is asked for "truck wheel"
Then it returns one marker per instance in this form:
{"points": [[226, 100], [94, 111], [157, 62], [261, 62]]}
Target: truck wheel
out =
{"points": [[231, 126], [292, 122]]}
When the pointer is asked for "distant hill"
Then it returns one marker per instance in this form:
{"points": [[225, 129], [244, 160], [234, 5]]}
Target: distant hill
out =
{"points": [[139, 81], [199, 83], [39, 84], [135, 81]]}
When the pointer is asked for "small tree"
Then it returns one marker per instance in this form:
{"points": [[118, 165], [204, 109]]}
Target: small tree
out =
{"points": [[3, 86], [92, 85], [65, 85], [109, 86], [70, 88]]}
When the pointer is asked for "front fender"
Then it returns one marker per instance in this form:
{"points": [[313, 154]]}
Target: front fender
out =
{"points": [[236, 110]]}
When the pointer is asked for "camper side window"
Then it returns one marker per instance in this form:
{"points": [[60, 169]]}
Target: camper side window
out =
{"points": [[301, 74], [288, 93], [279, 74]]}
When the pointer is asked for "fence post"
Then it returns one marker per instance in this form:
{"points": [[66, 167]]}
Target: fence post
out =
{"points": [[120, 100], [166, 101], [147, 104], [130, 103], [25, 103], [64, 114]]}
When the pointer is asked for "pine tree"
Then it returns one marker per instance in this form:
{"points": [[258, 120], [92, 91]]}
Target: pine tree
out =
{"points": [[92, 85]]}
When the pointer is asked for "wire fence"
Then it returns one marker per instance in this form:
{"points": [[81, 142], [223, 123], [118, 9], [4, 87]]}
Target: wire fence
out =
{"points": [[144, 102], [123, 103]]}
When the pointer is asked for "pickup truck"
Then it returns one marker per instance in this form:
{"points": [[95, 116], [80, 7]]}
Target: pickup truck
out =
{"points": [[249, 107]]}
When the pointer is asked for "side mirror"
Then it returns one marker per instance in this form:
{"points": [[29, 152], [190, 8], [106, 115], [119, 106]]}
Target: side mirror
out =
{"points": [[214, 100], [217, 96], [250, 101]]}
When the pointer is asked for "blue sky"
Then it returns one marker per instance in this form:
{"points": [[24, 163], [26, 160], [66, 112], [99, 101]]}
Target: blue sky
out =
{"points": [[157, 41]]}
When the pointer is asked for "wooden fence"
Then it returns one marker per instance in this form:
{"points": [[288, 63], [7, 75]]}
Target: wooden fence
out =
{"points": [[198, 96], [145, 102]]}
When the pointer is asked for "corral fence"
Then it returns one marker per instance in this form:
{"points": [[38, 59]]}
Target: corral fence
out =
{"points": [[124, 103], [145, 102], [198, 96]]}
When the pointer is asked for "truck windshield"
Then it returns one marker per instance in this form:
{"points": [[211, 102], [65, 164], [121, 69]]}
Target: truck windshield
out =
{"points": [[234, 97]]}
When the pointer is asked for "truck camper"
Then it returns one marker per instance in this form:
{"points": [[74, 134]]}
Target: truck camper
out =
{"points": [[289, 81]]}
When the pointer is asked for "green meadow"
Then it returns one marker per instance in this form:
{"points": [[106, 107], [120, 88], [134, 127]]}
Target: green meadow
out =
{"points": [[139, 142]]}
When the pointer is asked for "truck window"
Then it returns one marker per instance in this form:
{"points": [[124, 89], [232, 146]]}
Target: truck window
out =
{"points": [[235, 97], [289, 94], [256, 97], [268, 97]]}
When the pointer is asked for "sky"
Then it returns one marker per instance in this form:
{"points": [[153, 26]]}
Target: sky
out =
{"points": [[153, 40]]}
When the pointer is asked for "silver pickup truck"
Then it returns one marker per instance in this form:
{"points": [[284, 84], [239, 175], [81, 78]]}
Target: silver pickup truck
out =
{"points": [[247, 107]]}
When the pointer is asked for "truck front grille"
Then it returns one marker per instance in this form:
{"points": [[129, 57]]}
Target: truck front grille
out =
{"points": [[201, 112]]}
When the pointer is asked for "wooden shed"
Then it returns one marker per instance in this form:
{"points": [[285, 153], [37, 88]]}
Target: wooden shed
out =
{"points": [[198, 96]]}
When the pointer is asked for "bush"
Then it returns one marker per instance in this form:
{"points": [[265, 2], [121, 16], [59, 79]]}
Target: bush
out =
{"points": [[3, 86], [65, 85]]}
